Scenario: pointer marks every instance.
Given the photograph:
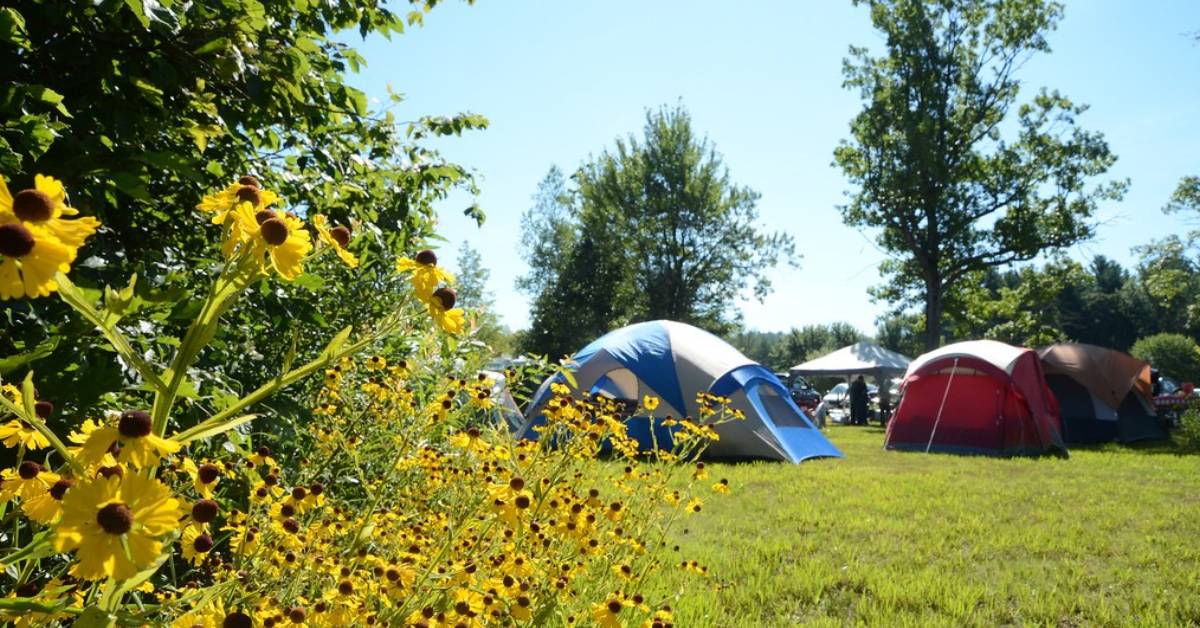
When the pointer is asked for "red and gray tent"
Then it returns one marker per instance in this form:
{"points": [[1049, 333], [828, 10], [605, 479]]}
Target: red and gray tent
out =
{"points": [[977, 397]]}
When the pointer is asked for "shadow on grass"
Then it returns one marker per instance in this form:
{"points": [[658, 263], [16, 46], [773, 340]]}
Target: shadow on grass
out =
{"points": [[1148, 448]]}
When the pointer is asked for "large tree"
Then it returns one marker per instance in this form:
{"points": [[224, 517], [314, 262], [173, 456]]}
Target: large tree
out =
{"points": [[141, 108], [653, 228], [954, 175]]}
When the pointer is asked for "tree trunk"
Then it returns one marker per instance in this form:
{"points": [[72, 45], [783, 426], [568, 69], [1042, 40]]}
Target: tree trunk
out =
{"points": [[933, 313]]}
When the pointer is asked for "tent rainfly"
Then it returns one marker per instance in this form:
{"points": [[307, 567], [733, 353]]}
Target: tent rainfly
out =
{"points": [[1103, 394], [674, 362]]}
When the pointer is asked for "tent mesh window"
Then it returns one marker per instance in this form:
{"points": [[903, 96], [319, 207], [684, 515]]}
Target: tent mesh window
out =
{"points": [[776, 407]]}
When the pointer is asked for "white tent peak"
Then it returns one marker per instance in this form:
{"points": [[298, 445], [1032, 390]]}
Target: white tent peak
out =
{"points": [[860, 358], [1001, 355]]}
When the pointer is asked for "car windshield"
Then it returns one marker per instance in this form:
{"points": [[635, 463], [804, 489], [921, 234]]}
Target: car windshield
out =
{"points": [[1169, 387], [840, 388]]}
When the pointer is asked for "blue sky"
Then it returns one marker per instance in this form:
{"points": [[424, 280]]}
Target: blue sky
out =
{"points": [[560, 81]]}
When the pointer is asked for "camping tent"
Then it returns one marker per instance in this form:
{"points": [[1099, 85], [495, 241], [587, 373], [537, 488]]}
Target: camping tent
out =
{"points": [[674, 362], [860, 358], [1103, 394], [982, 397]]}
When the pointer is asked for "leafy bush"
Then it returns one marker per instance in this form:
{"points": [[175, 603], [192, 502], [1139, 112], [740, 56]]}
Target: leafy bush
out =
{"points": [[1188, 433], [1175, 355], [404, 501]]}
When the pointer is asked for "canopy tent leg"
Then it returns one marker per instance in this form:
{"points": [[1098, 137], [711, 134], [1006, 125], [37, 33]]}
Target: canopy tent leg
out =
{"points": [[945, 395]]}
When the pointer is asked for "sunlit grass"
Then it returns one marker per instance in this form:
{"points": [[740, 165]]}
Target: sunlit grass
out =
{"points": [[1110, 536]]}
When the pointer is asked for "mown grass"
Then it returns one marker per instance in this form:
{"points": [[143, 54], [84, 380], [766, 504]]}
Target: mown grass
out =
{"points": [[1110, 536]]}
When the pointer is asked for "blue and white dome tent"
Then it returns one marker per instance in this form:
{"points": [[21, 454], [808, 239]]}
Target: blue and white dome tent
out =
{"points": [[674, 361]]}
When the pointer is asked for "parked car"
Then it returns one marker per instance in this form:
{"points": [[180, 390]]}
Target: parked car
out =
{"points": [[804, 394], [839, 396]]}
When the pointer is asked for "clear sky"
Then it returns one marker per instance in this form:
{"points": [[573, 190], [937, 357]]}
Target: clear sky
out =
{"points": [[561, 80]]}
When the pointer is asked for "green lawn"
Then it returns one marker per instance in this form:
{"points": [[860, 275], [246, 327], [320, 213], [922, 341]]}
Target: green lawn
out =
{"points": [[1110, 536]]}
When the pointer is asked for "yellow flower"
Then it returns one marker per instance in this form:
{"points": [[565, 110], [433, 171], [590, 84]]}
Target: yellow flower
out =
{"points": [[694, 506], [608, 614], [721, 487], [337, 237], [282, 236], [16, 433], [35, 240], [650, 402], [245, 190], [115, 524], [442, 310], [139, 446], [46, 507], [28, 481], [196, 544], [426, 275]]}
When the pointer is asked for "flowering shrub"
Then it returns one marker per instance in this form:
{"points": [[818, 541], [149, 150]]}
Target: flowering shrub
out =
{"points": [[403, 502]]}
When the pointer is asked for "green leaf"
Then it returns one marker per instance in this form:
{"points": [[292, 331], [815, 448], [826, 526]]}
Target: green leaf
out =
{"points": [[10, 363], [12, 28], [139, 12], [210, 428], [213, 45]]}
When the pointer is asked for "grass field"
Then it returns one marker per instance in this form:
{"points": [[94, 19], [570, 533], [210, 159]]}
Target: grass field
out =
{"points": [[1110, 536]]}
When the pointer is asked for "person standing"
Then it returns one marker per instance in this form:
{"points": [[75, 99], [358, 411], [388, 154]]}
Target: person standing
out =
{"points": [[858, 401]]}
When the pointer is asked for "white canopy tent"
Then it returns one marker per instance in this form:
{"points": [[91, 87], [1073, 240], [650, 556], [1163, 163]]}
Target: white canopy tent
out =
{"points": [[860, 358]]}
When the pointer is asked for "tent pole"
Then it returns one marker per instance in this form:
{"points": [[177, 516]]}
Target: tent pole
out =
{"points": [[945, 394]]}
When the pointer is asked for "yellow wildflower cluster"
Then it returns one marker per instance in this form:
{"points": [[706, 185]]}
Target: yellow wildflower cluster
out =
{"points": [[404, 500]]}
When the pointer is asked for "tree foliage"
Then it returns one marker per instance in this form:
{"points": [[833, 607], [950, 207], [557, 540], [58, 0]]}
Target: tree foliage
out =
{"points": [[1175, 355], [948, 194], [653, 228], [142, 107]]}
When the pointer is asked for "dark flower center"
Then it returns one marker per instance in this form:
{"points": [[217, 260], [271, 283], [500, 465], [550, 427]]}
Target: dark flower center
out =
{"points": [[43, 409], [317, 488], [29, 589], [274, 231], [345, 587], [250, 181], [291, 526], [205, 510], [341, 235], [249, 194], [60, 488], [115, 518], [237, 620], [447, 296], [203, 543], [15, 240], [135, 424], [297, 615], [516, 484], [33, 206], [426, 257], [522, 502], [29, 470], [208, 473], [264, 215], [108, 472], [614, 606], [298, 493]]}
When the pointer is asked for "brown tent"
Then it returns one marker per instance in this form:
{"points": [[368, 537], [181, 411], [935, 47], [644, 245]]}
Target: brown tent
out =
{"points": [[1103, 394]]}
